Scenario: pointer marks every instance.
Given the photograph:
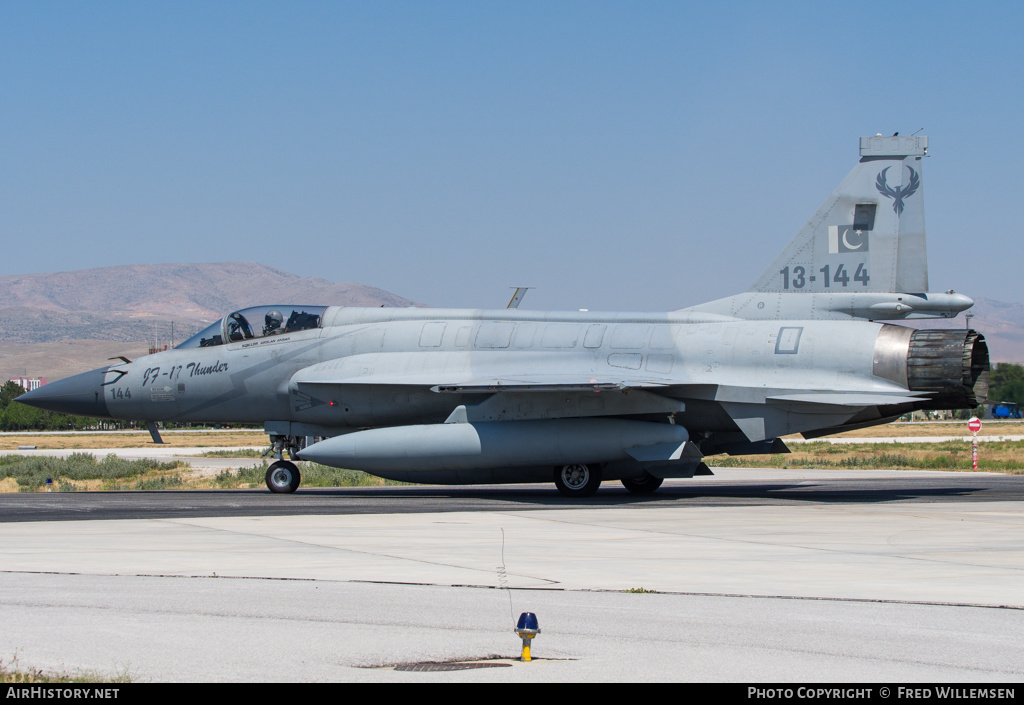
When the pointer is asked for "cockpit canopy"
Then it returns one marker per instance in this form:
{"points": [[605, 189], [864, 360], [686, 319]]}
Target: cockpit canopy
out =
{"points": [[257, 322]]}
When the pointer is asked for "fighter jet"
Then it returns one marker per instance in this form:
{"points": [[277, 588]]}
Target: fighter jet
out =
{"points": [[505, 396]]}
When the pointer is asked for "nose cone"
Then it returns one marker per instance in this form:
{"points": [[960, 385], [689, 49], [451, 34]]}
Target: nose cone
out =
{"points": [[81, 395]]}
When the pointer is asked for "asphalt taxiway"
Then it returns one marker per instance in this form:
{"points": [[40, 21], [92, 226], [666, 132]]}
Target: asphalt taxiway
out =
{"points": [[750, 575]]}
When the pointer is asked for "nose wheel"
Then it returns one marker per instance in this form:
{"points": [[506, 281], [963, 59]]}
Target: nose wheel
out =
{"points": [[578, 480], [283, 477]]}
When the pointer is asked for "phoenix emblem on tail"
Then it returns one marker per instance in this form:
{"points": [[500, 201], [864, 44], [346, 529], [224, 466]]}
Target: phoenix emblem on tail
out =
{"points": [[900, 192]]}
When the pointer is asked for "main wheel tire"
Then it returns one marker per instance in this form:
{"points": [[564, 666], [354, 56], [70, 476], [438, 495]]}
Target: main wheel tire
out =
{"points": [[578, 480], [645, 484], [283, 477]]}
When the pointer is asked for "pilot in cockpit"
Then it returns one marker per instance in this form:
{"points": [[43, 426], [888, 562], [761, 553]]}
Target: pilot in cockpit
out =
{"points": [[273, 323], [238, 327]]}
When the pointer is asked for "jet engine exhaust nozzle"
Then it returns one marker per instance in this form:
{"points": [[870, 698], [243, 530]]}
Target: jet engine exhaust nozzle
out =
{"points": [[952, 365]]}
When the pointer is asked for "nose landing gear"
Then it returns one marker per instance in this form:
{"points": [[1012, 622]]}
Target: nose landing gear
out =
{"points": [[283, 477]]}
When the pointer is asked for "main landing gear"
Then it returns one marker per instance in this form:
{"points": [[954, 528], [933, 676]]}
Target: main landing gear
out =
{"points": [[645, 484], [578, 480]]}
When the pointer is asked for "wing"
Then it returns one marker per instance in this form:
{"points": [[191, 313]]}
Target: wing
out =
{"points": [[523, 385], [519, 385]]}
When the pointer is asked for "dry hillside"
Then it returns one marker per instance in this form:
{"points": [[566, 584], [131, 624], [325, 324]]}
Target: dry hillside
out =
{"points": [[56, 324]]}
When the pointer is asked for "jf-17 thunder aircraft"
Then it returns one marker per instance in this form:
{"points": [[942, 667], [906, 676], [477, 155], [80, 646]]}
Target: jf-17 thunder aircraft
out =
{"points": [[465, 396]]}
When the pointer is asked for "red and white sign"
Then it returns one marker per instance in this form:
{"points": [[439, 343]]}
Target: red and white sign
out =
{"points": [[974, 424]]}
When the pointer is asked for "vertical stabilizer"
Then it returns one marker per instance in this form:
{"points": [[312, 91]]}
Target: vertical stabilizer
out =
{"points": [[868, 235]]}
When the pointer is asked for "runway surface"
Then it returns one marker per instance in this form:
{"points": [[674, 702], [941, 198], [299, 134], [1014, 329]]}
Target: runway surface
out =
{"points": [[750, 575], [728, 488]]}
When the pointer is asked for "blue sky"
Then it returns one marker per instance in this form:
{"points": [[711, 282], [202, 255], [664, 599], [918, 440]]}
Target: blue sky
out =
{"points": [[641, 155]]}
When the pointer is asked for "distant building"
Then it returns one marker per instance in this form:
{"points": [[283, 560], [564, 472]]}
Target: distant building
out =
{"points": [[29, 383]]}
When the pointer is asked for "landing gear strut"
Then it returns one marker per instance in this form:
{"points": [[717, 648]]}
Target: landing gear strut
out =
{"points": [[279, 445]]}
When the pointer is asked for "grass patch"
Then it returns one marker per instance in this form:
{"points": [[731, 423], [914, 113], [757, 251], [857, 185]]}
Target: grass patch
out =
{"points": [[931, 428], [67, 473], [13, 673], [316, 475], [993, 456], [240, 453], [161, 482], [82, 472], [243, 478], [218, 439]]}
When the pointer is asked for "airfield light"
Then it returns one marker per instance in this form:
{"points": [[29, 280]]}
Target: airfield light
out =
{"points": [[527, 628]]}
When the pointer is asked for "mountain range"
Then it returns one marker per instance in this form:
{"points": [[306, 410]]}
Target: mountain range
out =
{"points": [[1001, 323], [57, 324]]}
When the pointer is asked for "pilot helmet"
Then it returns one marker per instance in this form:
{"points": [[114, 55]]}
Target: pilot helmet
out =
{"points": [[274, 319]]}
